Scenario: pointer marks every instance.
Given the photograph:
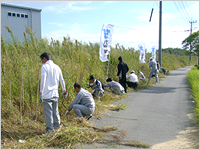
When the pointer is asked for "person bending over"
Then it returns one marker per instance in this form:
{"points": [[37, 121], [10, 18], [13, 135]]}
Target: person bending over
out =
{"points": [[133, 83], [114, 86], [83, 104]]}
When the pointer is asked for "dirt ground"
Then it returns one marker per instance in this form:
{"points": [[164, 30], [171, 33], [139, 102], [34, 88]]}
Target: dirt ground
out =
{"points": [[188, 139]]}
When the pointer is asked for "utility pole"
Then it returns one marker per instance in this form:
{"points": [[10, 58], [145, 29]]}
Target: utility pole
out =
{"points": [[160, 35], [190, 34]]}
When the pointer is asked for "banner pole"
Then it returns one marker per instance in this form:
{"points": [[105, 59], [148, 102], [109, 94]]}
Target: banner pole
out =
{"points": [[108, 65]]}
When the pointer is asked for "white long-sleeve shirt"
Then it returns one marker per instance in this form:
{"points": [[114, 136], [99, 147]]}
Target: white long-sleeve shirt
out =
{"points": [[133, 77], [51, 74]]}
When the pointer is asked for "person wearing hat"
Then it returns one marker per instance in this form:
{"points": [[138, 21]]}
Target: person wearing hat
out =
{"points": [[153, 67], [83, 104], [96, 85], [121, 74], [142, 76], [133, 83], [114, 86]]}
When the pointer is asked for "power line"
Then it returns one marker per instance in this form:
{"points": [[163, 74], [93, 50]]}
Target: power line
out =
{"points": [[146, 29], [179, 12], [167, 18], [183, 12], [188, 9]]}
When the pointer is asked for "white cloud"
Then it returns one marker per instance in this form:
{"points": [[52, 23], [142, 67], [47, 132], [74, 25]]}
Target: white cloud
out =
{"points": [[129, 38], [68, 6], [130, 35], [80, 36]]}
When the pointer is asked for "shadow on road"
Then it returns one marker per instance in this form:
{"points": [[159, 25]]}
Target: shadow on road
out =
{"points": [[159, 90], [176, 74]]}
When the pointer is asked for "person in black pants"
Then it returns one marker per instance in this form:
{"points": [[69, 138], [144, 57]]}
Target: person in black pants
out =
{"points": [[133, 83], [121, 74]]}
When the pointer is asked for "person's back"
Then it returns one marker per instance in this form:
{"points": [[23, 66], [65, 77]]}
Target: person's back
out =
{"points": [[153, 72], [114, 85], [86, 98], [83, 97], [83, 104], [122, 70], [53, 74], [123, 67], [153, 64], [133, 77]]}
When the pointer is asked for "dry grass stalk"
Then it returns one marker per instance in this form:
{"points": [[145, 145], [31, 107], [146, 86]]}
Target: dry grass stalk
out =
{"points": [[10, 95], [21, 98]]}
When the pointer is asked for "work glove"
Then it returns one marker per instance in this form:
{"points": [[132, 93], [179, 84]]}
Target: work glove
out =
{"points": [[67, 113], [65, 93], [41, 98]]}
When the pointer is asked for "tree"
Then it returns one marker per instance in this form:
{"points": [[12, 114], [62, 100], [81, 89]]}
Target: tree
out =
{"points": [[192, 40]]}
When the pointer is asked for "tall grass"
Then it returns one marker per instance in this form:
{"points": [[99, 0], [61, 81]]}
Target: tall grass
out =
{"points": [[21, 68], [77, 60], [193, 78]]}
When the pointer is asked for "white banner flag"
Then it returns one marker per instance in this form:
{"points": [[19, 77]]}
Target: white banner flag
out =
{"points": [[105, 41], [142, 53], [154, 52]]}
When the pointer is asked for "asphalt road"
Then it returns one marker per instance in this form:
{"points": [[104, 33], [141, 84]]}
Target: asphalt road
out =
{"points": [[156, 114]]}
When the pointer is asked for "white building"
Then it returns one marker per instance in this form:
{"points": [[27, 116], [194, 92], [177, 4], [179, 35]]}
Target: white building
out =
{"points": [[16, 17]]}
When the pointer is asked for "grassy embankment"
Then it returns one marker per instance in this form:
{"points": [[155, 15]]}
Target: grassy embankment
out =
{"points": [[21, 113], [193, 78]]}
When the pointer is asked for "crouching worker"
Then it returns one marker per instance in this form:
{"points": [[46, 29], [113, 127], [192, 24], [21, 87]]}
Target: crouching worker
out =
{"points": [[133, 83], [97, 90], [83, 104], [115, 87]]}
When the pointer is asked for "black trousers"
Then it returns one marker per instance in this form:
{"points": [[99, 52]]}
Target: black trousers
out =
{"points": [[132, 84], [123, 83]]}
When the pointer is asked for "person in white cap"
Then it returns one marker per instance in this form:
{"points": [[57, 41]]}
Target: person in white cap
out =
{"points": [[153, 67], [133, 83]]}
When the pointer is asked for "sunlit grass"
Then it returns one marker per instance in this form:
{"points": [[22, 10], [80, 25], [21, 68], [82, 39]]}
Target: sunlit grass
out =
{"points": [[22, 115], [193, 78]]}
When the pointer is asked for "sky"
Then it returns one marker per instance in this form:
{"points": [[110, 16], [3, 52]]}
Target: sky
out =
{"points": [[83, 20]]}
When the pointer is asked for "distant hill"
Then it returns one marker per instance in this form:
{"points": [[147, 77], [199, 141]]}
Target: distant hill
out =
{"points": [[176, 51]]}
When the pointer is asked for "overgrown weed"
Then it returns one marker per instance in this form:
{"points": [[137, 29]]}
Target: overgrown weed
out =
{"points": [[21, 113], [193, 78]]}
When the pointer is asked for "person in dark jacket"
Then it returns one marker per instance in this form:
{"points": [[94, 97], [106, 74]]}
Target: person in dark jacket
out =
{"points": [[96, 85], [121, 74]]}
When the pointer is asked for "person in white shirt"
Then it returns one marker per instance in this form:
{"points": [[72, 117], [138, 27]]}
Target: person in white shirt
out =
{"points": [[83, 104], [115, 87], [50, 76], [133, 83]]}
